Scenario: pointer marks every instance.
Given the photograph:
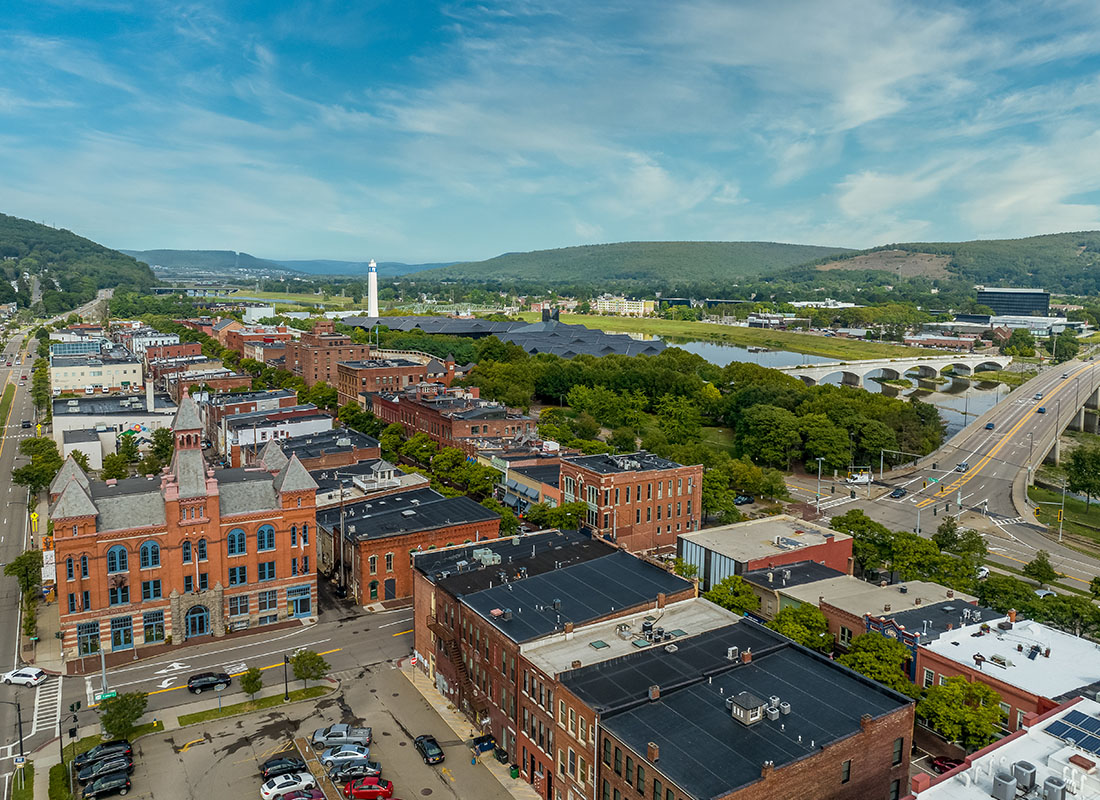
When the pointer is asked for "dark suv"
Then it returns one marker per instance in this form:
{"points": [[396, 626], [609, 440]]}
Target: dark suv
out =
{"points": [[115, 783], [98, 769], [355, 769], [281, 765], [119, 747], [198, 684]]}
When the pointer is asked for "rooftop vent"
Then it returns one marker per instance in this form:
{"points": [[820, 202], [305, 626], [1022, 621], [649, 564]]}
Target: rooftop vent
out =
{"points": [[671, 648], [408, 512], [507, 614], [1024, 773], [772, 712], [1004, 786]]}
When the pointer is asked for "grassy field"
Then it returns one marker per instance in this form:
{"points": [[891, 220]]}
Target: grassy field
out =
{"points": [[5, 403], [1077, 521], [1005, 377], [252, 705], [720, 439], [827, 347]]}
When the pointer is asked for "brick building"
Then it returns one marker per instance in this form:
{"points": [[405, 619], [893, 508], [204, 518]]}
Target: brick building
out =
{"points": [[315, 355], [478, 606], [181, 350], [252, 430], [216, 408], [736, 713], [762, 544], [237, 337], [212, 382], [222, 327], [521, 487], [373, 558], [192, 554], [451, 417], [639, 500], [372, 477], [769, 583], [376, 375], [339, 447], [922, 623]]}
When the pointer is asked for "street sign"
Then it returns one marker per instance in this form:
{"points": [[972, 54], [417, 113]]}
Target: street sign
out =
{"points": [[101, 696], [219, 687], [38, 428], [20, 761]]}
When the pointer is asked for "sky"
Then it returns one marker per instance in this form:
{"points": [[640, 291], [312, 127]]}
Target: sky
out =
{"points": [[443, 131]]}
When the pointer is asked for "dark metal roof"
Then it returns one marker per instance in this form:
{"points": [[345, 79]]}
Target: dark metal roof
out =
{"points": [[543, 473], [583, 592], [112, 404], [328, 478], [797, 574], [607, 464], [312, 445], [403, 512], [938, 616]]}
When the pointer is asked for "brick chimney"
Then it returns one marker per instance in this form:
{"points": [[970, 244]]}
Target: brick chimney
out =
{"points": [[661, 599], [1012, 615], [920, 782], [569, 627], [864, 722], [654, 692], [652, 752], [575, 665], [950, 593], [746, 656], [766, 769]]}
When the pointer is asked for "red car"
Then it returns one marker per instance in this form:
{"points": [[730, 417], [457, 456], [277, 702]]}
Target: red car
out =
{"points": [[944, 764], [369, 789]]}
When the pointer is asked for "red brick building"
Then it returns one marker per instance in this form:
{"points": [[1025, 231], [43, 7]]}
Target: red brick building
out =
{"points": [[339, 447], [181, 350], [376, 375], [639, 500], [216, 382], [315, 355], [194, 554], [218, 407], [451, 417], [374, 556], [237, 337]]}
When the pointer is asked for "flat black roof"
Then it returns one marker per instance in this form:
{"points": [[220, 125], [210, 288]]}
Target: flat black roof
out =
{"points": [[456, 572], [931, 621], [607, 464], [543, 473], [797, 574], [337, 440], [403, 512], [584, 592], [703, 749]]}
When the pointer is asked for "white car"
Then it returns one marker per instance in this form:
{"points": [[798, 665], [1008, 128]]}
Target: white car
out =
{"points": [[25, 676], [292, 782], [983, 572]]}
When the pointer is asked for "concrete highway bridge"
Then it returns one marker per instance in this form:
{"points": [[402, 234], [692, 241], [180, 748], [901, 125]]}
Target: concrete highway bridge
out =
{"points": [[854, 373]]}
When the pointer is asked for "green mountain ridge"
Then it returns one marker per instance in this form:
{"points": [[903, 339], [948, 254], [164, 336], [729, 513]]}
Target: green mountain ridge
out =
{"points": [[230, 261]]}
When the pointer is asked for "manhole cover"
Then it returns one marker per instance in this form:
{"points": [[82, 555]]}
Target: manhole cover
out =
{"points": [[425, 792], [402, 743], [396, 694]]}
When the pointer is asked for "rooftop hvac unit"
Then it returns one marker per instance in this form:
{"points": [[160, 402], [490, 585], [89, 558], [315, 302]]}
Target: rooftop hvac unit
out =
{"points": [[1024, 773], [773, 700], [671, 648], [408, 512], [772, 712], [1004, 786], [733, 653], [785, 707], [344, 442], [1054, 788]]}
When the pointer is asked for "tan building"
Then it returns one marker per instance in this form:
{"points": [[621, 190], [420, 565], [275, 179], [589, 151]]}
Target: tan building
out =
{"points": [[90, 374]]}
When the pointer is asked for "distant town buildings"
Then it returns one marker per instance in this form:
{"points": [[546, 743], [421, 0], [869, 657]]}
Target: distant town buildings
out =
{"points": [[315, 355], [623, 306]]}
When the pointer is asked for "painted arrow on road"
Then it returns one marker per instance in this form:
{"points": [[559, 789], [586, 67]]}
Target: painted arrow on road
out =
{"points": [[164, 684], [175, 666]]}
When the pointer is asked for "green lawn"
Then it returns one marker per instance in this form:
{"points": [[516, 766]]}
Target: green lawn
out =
{"points": [[1005, 377], [718, 438], [827, 347], [5, 403], [252, 705], [297, 298], [23, 788], [1077, 521]]}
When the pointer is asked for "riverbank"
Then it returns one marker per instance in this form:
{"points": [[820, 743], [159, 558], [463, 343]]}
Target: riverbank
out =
{"points": [[825, 346]]}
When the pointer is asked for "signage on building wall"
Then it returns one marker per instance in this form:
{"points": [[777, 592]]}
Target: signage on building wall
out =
{"points": [[49, 567]]}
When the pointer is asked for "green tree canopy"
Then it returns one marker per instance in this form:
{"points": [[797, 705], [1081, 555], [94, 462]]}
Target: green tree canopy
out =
{"points": [[733, 593], [308, 666], [114, 466], [964, 712], [882, 659], [1040, 569], [119, 714], [26, 568], [804, 624]]}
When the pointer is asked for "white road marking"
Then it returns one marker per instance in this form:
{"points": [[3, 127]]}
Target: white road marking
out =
{"points": [[175, 666], [47, 706], [399, 622], [164, 684]]}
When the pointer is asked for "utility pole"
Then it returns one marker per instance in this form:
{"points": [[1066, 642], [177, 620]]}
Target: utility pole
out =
{"points": [[917, 531], [819, 460], [1062, 511], [340, 538], [881, 462]]}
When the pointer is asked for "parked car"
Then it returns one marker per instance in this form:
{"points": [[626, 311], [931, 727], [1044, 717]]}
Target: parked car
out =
{"points": [[97, 769], [197, 684], [115, 783], [944, 764], [982, 573], [281, 765], [285, 784], [743, 499], [340, 734], [368, 789], [429, 749], [1044, 593], [305, 794], [989, 426], [344, 753], [102, 751], [350, 770], [25, 676], [899, 492]]}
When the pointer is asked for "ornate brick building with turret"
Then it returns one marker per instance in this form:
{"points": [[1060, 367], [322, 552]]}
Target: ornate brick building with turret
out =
{"points": [[184, 555]]}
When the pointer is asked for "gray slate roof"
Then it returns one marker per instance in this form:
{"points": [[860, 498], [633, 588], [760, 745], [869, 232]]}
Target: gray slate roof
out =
{"points": [[246, 493], [190, 470], [140, 510], [272, 457], [294, 478], [187, 417], [70, 471], [73, 502]]}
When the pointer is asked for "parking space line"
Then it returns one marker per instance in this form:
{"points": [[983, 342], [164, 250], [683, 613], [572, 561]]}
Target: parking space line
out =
{"points": [[193, 741]]}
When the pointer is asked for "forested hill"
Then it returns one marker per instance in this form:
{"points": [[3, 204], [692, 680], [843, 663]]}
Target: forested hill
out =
{"points": [[212, 260], [70, 268], [653, 262], [1060, 262]]}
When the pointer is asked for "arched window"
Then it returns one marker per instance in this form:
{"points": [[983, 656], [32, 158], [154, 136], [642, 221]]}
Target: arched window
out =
{"points": [[117, 559], [293, 535], [373, 564], [265, 538], [150, 555], [83, 566], [69, 572], [235, 542], [305, 534], [200, 549], [187, 552]]}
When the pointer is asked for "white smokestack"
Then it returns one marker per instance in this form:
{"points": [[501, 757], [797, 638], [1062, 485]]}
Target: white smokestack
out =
{"points": [[372, 289]]}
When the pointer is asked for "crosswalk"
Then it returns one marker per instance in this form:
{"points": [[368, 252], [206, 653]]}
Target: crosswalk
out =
{"points": [[838, 501], [47, 706], [1008, 521]]}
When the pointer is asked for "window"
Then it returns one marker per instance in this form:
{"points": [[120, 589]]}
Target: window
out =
{"points": [[87, 637], [929, 677], [267, 601], [895, 789], [389, 562], [153, 626], [561, 713], [629, 774], [606, 790], [72, 602], [83, 566], [200, 549], [573, 722], [265, 538], [118, 595], [572, 762], [150, 590], [1006, 710], [85, 599], [846, 771], [607, 751], [943, 680], [204, 581], [117, 559], [618, 761], [235, 543], [640, 783], [656, 789], [1019, 719], [265, 571], [372, 565], [69, 572], [186, 552], [670, 795], [305, 565], [238, 605], [238, 576], [293, 535], [305, 534], [845, 637], [150, 555], [898, 744], [188, 584]]}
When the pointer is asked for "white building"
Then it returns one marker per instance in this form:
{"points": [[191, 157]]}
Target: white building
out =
{"points": [[623, 306], [87, 374], [253, 314], [140, 342], [108, 417]]}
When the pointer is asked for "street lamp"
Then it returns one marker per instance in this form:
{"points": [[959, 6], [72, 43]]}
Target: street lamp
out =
{"points": [[286, 680], [19, 718], [819, 460]]}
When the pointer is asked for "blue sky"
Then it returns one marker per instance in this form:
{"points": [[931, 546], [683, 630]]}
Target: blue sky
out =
{"points": [[421, 131]]}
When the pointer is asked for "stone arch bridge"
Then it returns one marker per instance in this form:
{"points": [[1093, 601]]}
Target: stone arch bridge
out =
{"points": [[854, 373]]}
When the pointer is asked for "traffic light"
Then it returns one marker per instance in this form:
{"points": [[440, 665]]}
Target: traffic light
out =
{"points": [[74, 707], [935, 465], [1036, 513], [1060, 515]]}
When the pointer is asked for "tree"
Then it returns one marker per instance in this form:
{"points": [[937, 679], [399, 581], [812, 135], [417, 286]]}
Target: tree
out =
{"points": [[1083, 473], [964, 712], [584, 426], [118, 714], [45, 461], [391, 438], [150, 465], [882, 659], [1094, 587], [308, 666], [805, 624], [821, 437], [679, 419], [509, 525], [623, 440], [114, 466], [1020, 343], [252, 680], [128, 449], [733, 593], [685, 570], [164, 443], [26, 568], [1040, 569], [81, 459]]}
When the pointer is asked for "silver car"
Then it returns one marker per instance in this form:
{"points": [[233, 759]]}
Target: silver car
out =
{"points": [[343, 753]]}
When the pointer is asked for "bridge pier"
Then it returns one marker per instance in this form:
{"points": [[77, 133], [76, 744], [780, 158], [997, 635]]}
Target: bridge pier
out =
{"points": [[1093, 400], [1092, 422], [1078, 421], [1054, 455]]}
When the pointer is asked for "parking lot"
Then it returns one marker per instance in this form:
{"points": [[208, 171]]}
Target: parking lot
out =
{"points": [[222, 758]]}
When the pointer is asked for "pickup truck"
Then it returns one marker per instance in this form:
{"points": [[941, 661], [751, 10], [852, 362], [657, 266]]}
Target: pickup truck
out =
{"points": [[336, 735]]}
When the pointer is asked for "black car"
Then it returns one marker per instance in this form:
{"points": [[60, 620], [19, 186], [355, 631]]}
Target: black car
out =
{"points": [[743, 500], [115, 783], [197, 684], [899, 492], [119, 747], [281, 765], [429, 749], [26, 423], [98, 769], [352, 770]]}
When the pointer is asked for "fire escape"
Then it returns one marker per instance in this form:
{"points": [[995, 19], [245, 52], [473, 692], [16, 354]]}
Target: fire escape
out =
{"points": [[468, 690]]}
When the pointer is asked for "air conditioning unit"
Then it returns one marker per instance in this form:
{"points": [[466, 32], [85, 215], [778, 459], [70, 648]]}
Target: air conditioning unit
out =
{"points": [[772, 712]]}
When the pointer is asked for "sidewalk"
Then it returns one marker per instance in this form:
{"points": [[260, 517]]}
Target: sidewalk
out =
{"points": [[464, 730]]}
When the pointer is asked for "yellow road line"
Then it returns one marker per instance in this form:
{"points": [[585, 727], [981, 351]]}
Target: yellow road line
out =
{"points": [[1021, 561], [193, 741], [973, 473], [402, 633]]}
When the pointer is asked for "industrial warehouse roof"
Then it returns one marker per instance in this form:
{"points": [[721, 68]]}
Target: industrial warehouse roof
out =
{"points": [[578, 593], [112, 404], [703, 748], [404, 512]]}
